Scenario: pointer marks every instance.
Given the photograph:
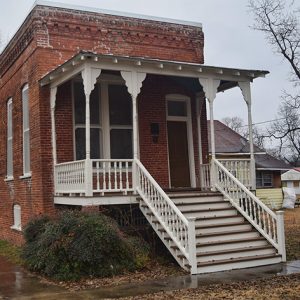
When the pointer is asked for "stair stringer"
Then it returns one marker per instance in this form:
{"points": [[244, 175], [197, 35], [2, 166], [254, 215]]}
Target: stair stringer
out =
{"points": [[183, 262]]}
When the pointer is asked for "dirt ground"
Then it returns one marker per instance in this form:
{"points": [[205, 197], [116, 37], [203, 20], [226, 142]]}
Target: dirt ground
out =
{"points": [[275, 288]]}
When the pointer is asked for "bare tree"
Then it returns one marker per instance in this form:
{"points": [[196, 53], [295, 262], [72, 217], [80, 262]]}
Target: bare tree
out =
{"points": [[237, 124], [279, 21], [287, 129]]}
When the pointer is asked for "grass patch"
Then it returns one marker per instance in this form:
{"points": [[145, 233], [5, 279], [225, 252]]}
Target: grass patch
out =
{"points": [[11, 252], [292, 233]]}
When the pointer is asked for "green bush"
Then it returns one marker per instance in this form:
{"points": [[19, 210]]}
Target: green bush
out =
{"points": [[76, 244]]}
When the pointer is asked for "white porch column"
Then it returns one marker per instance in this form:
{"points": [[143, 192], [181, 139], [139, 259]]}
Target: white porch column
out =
{"points": [[199, 104], [210, 88], [246, 91], [53, 91], [134, 81], [89, 76]]}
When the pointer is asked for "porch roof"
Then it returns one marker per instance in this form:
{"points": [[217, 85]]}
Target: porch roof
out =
{"points": [[228, 76]]}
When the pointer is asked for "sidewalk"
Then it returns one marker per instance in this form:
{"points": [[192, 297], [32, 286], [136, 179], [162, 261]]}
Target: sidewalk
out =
{"points": [[18, 284]]}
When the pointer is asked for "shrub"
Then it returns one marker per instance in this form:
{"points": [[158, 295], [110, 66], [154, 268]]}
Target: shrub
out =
{"points": [[76, 244]]}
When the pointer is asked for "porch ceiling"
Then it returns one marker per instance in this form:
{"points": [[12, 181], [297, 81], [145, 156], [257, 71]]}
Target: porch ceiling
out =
{"points": [[182, 70]]}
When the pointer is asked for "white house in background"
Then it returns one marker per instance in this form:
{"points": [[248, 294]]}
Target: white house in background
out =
{"points": [[291, 179]]}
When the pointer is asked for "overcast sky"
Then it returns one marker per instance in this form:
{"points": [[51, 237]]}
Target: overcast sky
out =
{"points": [[229, 42]]}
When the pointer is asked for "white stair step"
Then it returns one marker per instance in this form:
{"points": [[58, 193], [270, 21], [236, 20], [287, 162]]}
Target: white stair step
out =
{"points": [[231, 244], [197, 199], [226, 236], [203, 205], [219, 220], [202, 214], [236, 253], [223, 227], [239, 263]]}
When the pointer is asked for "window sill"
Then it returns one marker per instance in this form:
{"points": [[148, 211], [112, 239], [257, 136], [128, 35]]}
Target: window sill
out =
{"points": [[25, 176], [9, 178], [17, 228]]}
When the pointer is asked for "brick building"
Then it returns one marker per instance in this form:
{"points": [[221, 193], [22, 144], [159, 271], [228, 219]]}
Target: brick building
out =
{"points": [[98, 107]]}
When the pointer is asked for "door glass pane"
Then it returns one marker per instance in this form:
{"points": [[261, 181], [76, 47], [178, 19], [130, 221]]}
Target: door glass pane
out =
{"points": [[177, 108], [120, 107], [121, 143]]}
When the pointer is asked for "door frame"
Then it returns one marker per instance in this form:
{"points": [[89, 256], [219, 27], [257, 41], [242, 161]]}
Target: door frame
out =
{"points": [[188, 120]]}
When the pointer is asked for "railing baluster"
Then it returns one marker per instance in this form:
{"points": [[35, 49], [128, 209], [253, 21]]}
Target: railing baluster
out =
{"points": [[109, 175], [97, 175], [115, 175], [104, 176]]}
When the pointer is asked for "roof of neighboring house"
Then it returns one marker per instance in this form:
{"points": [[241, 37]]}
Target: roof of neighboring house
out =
{"points": [[266, 161], [293, 174], [229, 141]]}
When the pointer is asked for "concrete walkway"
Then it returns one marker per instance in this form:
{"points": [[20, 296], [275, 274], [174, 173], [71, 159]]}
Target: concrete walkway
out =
{"points": [[15, 283]]}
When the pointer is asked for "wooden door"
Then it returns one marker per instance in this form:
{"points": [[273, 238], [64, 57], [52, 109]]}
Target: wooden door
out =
{"points": [[178, 154]]}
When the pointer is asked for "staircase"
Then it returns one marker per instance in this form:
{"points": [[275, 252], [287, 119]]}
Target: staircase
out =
{"points": [[208, 232]]}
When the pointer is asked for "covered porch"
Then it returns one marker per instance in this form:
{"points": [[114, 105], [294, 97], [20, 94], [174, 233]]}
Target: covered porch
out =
{"points": [[117, 124]]}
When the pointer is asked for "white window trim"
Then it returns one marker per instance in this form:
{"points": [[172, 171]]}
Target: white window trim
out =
{"points": [[188, 120], [17, 218], [9, 108], [25, 174]]}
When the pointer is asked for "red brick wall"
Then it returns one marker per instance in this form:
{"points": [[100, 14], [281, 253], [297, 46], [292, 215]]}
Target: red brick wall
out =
{"points": [[28, 193], [64, 123], [47, 38]]}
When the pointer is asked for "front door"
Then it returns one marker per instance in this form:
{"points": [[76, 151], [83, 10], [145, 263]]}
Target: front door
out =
{"points": [[178, 154]]}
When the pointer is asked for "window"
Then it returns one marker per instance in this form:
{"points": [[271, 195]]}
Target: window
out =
{"points": [[177, 108], [264, 179], [9, 160], [111, 121], [26, 132], [120, 118], [296, 184], [17, 217], [95, 117]]}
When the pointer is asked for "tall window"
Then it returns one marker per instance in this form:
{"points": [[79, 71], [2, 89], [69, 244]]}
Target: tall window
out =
{"points": [[95, 113], [9, 156], [26, 131], [110, 121], [120, 118]]}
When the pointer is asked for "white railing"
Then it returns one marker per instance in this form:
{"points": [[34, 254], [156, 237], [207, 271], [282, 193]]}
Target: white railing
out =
{"points": [[111, 175], [176, 225], [205, 177], [93, 176], [70, 177], [269, 224], [240, 169]]}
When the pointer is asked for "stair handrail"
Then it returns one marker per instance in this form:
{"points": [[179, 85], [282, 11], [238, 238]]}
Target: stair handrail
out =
{"points": [[177, 226], [253, 209]]}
